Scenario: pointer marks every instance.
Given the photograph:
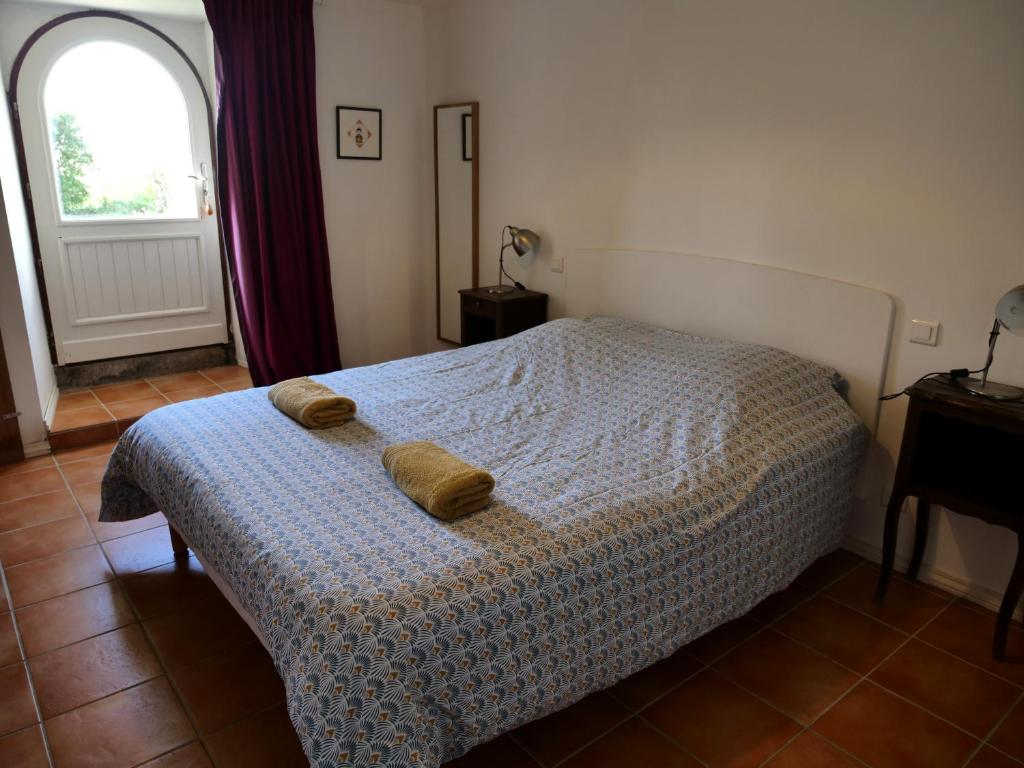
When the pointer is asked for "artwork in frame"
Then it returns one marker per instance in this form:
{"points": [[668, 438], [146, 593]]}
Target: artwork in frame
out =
{"points": [[467, 136], [359, 133]]}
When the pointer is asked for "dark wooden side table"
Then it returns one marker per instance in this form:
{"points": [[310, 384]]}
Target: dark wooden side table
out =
{"points": [[964, 453], [489, 316]]}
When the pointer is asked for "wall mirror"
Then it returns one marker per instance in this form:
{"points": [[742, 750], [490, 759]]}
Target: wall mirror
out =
{"points": [[456, 210]]}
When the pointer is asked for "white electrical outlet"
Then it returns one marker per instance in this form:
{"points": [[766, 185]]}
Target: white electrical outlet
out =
{"points": [[924, 332], [558, 263]]}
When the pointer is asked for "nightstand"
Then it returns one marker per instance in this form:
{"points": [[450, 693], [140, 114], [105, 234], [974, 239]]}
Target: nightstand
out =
{"points": [[964, 453], [489, 316]]}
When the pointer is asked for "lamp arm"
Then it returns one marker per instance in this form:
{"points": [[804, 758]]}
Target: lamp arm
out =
{"points": [[993, 336], [501, 254]]}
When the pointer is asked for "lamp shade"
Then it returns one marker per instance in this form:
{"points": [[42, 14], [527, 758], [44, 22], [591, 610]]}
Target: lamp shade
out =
{"points": [[1010, 310], [524, 240]]}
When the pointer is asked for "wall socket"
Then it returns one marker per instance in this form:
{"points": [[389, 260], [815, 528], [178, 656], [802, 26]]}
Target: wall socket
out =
{"points": [[558, 263]]}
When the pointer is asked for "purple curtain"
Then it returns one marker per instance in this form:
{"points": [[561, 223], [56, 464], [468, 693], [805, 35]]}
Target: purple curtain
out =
{"points": [[271, 203]]}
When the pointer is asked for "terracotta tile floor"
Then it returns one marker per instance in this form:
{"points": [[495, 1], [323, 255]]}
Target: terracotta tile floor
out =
{"points": [[87, 416], [114, 654]]}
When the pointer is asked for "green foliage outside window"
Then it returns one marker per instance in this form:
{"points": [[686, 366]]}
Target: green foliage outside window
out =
{"points": [[74, 159]]}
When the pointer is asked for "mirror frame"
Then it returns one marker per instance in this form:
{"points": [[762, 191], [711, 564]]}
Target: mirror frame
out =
{"points": [[475, 239]]}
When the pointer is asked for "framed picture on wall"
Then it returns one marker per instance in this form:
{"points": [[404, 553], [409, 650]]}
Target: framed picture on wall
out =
{"points": [[467, 136], [359, 133]]}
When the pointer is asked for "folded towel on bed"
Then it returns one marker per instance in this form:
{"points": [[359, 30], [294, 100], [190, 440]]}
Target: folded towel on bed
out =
{"points": [[311, 404], [443, 484]]}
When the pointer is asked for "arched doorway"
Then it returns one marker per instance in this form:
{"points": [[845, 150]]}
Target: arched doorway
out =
{"points": [[116, 137]]}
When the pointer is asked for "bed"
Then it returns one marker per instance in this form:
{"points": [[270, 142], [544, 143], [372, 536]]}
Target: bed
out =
{"points": [[650, 486]]}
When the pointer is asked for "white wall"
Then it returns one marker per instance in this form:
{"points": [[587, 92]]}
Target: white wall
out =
{"points": [[874, 142], [370, 53], [21, 313]]}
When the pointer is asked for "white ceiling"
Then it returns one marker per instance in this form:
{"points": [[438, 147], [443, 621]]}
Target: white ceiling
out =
{"points": [[187, 9]]}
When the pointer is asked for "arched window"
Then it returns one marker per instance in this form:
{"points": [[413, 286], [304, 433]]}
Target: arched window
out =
{"points": [[119, 136]]}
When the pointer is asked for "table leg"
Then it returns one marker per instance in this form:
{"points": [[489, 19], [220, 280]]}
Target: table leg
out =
{"points": [[892, 529], [178, 545], [1010, 601], [920, 538]]}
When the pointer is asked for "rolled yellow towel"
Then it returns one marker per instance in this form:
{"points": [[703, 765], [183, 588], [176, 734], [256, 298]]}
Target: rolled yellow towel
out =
{"points": [[310, 403], [443, 484]]}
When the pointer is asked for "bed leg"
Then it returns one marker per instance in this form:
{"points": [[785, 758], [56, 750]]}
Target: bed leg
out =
{"points": [[178, 544]]}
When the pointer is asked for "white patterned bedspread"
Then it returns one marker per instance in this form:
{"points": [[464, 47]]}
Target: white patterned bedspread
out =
{"points": [[650, 486]]}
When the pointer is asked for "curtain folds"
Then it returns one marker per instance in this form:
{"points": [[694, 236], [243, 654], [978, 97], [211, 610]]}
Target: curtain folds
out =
{"points": [[271, 201]]}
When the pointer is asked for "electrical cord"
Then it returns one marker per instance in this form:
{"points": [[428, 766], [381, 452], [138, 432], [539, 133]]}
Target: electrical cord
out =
{"points": [[954, 374]]}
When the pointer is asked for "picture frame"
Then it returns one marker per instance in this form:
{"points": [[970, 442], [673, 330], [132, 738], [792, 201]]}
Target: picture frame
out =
{"points": [[467, 136], [359, 133]]}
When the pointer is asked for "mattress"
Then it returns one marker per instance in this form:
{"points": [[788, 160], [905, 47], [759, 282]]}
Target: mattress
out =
{"points": [[650, 486]]}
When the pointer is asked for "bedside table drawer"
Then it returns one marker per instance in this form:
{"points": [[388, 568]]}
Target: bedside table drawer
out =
{"points": [[490, 316], [479, 307]]}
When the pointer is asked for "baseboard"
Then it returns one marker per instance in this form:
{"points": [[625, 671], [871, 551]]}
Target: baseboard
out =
{"points": [[40, 448], [983, 596], [51, 407]]}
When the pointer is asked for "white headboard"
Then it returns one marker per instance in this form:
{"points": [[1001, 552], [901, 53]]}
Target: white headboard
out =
{"points": [[845, 326]]}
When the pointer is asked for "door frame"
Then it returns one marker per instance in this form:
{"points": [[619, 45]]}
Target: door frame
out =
{"points": [[11, 449], [26, 190]]}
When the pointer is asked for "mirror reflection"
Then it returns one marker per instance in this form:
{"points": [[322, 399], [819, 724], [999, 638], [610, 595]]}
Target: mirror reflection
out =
{"points": [[456, 184]]}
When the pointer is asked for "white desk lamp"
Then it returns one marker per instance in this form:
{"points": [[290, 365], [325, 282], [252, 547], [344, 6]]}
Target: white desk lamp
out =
{"points": [[1009, 315]]}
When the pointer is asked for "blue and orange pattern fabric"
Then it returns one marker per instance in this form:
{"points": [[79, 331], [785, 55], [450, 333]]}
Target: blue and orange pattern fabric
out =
{"points": [[650, 486]]}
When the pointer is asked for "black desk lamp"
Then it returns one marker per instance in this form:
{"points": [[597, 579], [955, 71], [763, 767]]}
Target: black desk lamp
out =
{"points": [[1009, 315], [523, 242]]}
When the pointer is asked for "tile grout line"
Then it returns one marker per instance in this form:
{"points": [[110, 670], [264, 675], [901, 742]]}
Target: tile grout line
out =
{"points": [[672, 740], [103, 404], [865, 678], [636, 712], [56, 466], [526, 750], [861, 678], [28, 670], [618, 723], [969, 663], [131, 606], [13, 471], [953, 601], [987, 741], [702, 667], [201, 737], [118, 580], [914, 637]]}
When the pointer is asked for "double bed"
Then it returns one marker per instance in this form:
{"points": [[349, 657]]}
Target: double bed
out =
{"points": [[651, 485]]}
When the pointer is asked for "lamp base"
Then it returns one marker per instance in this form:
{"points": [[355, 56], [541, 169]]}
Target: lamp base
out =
{"points": [[501, 289], [992, 390]]}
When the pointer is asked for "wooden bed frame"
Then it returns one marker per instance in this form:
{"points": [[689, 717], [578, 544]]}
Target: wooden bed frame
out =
{"points": [[178, 545]]}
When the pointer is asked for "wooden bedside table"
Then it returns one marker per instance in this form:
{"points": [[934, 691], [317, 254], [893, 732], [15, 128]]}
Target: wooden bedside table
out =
{"points": [[964, 453], [489, 316]]}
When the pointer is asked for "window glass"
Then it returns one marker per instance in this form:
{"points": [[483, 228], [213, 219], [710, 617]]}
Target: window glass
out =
{"points": [[119, 136]]}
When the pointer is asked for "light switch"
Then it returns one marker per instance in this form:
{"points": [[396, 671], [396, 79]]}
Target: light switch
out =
{"points": [[558, 263], [924, 332]]}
